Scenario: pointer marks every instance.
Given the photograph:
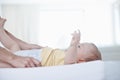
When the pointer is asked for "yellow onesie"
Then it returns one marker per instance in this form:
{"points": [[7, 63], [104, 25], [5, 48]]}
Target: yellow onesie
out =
{"points": [[52, 57]]}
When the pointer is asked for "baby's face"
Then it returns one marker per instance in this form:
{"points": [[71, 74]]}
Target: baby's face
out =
{"points": [[83, 52]]}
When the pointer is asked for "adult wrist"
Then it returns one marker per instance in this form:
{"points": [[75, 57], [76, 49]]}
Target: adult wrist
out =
{"points": [[11, 59]]}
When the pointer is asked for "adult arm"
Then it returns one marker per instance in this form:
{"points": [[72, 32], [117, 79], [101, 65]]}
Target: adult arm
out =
{"points": [[17, 61]]}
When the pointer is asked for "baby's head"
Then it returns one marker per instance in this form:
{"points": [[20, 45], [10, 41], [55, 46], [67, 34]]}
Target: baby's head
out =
{"points": [[88, 52]]}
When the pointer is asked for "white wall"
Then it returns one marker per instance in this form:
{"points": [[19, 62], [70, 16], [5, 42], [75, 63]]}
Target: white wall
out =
{"points": [[108, 53]]}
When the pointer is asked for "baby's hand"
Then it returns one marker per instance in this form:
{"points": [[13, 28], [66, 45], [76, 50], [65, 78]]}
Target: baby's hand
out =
{"points": [[75, 38]]}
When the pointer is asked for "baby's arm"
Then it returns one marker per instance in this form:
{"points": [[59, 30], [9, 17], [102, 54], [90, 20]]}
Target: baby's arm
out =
{"points": [[71, 53]]}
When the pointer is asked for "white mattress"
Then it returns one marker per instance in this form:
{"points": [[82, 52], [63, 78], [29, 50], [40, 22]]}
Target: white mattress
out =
{"points": [[112, 70], [84, 71]]}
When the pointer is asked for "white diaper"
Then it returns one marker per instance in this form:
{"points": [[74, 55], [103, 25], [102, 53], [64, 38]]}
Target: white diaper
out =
{"points": [[35, 53]]}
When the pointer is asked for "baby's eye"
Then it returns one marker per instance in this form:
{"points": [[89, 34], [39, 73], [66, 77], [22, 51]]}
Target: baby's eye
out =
{"points": [[78, 46]]}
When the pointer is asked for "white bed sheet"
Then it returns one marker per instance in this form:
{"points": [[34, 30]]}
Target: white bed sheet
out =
{"points": [[84, 71]]}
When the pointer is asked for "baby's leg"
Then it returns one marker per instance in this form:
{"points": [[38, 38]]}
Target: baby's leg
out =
{"points": [[6, 40], [23, 45]]}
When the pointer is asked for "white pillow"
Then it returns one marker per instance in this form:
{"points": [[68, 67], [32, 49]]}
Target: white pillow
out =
{"points": [[93, 70]]}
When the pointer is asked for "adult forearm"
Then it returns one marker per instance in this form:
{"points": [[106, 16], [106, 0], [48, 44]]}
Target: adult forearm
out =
{"points": [[5, 65], [5, 55]]}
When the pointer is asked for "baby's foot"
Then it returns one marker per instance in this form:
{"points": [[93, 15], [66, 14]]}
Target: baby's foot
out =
{"points": [[2, 22]]}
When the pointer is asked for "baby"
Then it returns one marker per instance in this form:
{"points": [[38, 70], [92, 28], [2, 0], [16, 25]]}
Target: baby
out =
{"points": [[76, 53]]}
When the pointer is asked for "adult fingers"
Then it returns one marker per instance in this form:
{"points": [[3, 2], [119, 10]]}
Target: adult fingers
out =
{"points": [[30, 62], [36, 62]]}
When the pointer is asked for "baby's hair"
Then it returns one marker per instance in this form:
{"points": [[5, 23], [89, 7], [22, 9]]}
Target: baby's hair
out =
{"points": [[93, 50], [98, 53]]}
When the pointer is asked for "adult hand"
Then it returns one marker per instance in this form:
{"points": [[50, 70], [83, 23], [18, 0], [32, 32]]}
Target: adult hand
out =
{"points": [[22, 62]]}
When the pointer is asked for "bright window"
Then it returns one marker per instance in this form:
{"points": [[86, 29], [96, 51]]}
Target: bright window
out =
{"points": [[54, 22]]}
